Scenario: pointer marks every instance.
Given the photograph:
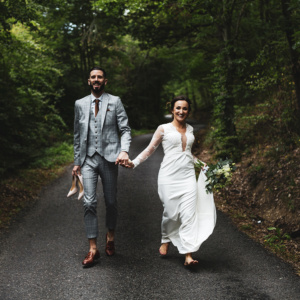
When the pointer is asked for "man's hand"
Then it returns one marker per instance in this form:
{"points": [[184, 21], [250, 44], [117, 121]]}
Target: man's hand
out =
{"points": [[122, 159], [76, 170]]}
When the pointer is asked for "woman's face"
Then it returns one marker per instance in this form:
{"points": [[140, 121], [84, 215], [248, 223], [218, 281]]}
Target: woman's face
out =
{"points": [[180, 110]]}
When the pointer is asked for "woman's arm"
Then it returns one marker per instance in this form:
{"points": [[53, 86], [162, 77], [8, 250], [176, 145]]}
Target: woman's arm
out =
{"points": [[155, 141]]}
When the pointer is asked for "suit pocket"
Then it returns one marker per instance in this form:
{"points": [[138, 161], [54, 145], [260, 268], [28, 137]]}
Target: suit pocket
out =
{"points": [[110, 117], [113, 140]]}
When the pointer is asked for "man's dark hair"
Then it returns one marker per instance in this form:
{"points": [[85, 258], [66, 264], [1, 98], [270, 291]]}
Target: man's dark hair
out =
{"points": [[98, 69]]}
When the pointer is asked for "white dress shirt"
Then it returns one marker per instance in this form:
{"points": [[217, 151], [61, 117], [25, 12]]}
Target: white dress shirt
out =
{"points": [[93, 102]]}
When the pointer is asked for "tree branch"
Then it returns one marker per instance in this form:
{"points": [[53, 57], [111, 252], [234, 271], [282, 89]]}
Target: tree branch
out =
{"points": [[239, 20]]}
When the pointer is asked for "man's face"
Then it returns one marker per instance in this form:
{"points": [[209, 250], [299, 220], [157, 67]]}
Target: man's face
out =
{"points": [[97, 81]]}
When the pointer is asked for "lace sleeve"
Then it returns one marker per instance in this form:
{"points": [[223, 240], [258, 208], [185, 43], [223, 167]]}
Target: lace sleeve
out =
{"points": [[155, 141]]}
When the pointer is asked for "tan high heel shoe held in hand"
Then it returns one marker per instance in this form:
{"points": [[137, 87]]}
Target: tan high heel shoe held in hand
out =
{"points": [[73, 189], [81, 189]]}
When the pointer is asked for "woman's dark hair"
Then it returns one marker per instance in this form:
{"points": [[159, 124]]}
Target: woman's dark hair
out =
{"points": [[178, 98]]}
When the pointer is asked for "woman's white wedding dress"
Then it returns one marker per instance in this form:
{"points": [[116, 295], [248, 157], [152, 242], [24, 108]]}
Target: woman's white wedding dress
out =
{"points": [[189, 215]]}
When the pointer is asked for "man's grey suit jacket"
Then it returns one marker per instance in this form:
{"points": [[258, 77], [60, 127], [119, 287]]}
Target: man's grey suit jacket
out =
{"points": [[114, 121]]}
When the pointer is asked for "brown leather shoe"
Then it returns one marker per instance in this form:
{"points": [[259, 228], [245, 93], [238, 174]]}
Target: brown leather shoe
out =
{"points": [[90, 259], [110, 247]]}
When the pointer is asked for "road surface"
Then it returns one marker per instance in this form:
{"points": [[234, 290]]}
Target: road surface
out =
{"points": [[41, 255]]}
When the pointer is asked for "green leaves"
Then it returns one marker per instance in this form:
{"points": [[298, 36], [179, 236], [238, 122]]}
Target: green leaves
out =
{"points": [[276, 239], [224, 55], [218, 175], [29, 89]]}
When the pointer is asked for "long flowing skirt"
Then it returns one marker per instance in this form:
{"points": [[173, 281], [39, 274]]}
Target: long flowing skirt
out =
{"points": [[189, 215]]}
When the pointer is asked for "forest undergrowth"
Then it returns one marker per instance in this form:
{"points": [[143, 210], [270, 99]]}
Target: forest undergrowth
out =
{"points": [[20, 190], [263, 199]]}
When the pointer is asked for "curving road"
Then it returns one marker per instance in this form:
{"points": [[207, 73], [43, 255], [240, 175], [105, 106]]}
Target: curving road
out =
{"points": [[40, 257]]}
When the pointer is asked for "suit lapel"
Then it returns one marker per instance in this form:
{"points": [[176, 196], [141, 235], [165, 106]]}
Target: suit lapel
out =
{"points": [[87, 108], [86, 111], [103, 108]]}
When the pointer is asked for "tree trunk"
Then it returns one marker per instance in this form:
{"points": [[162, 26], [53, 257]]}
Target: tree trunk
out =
{"points": [[229, 73], [194, 101], [289, 31]]}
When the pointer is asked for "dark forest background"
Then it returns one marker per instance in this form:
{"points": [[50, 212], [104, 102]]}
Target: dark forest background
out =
{"points": [[238, 61]]}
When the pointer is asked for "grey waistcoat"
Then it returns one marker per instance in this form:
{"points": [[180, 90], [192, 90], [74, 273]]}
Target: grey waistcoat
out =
{"points": [[94, 142]]}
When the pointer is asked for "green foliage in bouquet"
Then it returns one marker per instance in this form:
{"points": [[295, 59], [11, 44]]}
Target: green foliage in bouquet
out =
{"points": [[218, 175]]}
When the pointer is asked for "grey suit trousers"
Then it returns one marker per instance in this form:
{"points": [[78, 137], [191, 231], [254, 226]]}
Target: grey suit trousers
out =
{"points": [[92, 168]]}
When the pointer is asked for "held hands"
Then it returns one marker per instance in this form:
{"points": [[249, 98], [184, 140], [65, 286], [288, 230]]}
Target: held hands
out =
{"points": [[130, 164], [124, 161]]}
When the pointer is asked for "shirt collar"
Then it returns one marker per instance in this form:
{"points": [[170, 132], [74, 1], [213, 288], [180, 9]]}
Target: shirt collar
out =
{"points": [[93, 97]]}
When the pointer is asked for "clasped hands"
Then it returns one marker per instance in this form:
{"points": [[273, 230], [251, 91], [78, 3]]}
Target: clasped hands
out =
{"points": [[124, 161]]}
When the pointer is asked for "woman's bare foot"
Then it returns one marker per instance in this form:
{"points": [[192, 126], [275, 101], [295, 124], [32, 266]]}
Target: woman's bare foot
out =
{"points": [[189, 261], [163, 250]]}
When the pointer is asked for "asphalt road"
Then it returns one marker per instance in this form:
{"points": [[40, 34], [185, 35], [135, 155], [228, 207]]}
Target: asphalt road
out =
{"points": [[40, 257]]}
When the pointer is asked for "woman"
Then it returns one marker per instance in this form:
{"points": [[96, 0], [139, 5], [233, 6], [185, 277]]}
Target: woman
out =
{"points": [[189, 215]]}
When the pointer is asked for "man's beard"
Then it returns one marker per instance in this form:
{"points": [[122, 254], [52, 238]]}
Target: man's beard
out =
{"points": [[98, 90]]}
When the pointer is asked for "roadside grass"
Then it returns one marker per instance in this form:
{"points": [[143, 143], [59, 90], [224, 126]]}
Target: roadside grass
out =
{"points": [[20, 189], [140, 132], [54, 156]]}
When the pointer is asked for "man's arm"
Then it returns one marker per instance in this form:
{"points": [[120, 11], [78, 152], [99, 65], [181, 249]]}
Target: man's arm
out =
{"points": [[125, 131], [76, 168]]}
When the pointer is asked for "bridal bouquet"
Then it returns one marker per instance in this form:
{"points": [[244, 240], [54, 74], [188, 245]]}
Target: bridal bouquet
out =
{"points": [[218, 175]]}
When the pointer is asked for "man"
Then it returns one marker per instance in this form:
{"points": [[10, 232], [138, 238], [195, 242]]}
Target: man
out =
{"points": [[99, 118]]}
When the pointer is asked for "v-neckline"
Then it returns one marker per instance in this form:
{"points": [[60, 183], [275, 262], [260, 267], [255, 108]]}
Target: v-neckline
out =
{"points": [[182, 134], [178, 131]]}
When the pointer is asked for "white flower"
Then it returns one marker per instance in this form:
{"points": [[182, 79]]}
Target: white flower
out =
{"points": [[227, 174], [226, 168], [219, 172]]}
